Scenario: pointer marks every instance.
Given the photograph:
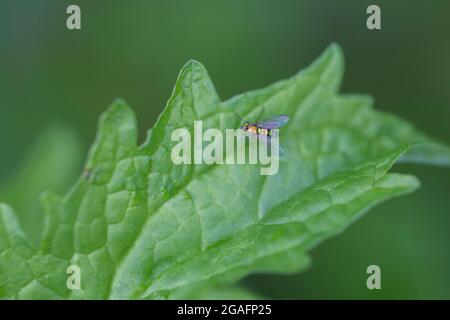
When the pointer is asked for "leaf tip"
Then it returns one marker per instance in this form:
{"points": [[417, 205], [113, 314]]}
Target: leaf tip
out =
{"points": [[116, 134], [119, 112], [192, 63], [119, 106], [329, 65], [400, 183], [119, 118], [336, 55], [193, 67], [335, 48]]}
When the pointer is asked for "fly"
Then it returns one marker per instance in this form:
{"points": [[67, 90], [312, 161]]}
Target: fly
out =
{"points": [[265, 130]]}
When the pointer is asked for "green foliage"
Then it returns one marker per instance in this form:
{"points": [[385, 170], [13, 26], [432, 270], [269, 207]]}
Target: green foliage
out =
{"points": [[52, 163], [139, 226]]}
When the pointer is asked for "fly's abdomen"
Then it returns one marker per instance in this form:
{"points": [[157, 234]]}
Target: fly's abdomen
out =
{"points": [[263, 132]]}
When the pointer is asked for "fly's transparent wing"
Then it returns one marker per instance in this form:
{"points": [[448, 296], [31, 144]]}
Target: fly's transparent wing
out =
{"points": [[273, 145], [274, 122]]}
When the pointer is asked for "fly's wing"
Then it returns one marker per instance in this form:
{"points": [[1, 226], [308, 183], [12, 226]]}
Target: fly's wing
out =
{"points": [[274, 147], [271, 144], [274, 122]]}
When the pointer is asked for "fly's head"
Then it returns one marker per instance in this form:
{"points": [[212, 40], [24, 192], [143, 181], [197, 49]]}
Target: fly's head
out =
{"points": [[244, 126]]}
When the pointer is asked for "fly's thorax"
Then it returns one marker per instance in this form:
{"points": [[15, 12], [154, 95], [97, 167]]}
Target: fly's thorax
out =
{"points": [[252, 129]]}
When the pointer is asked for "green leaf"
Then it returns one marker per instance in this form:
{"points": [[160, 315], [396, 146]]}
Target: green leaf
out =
{"points": [[52, 163], [139, 226]]}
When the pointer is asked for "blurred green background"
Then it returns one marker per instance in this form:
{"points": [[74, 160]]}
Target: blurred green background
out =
{"points": [[52, 79]]}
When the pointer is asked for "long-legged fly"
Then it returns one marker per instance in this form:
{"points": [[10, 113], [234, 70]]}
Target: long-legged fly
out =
{"points": [[265, 130]]}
